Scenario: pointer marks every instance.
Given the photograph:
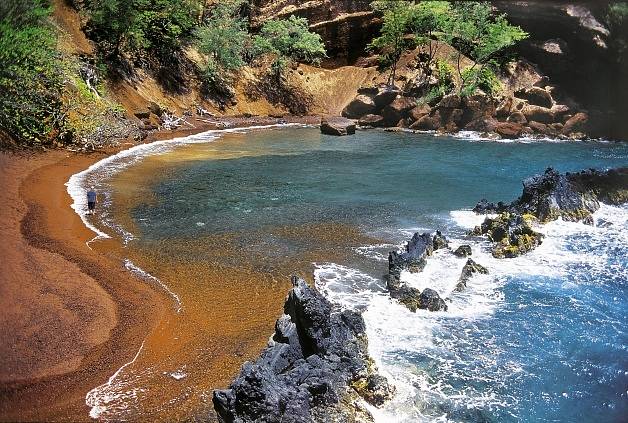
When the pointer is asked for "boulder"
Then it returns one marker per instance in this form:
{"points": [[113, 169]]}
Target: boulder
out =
{"points": [[469, 269], [439, 241], [504, 108], [398, 109], [575, 124], [536, 96], [430, 300], [371, 120], [360, 106], [517, 117], [419, 111], [477, 107], [463, 251], [511, 234], [413, 258], [509, 130], [427, 122], [385, 96], [337, 126], [155, 108], [450, 101], [309, 370], [539, 127], [538, 113]]}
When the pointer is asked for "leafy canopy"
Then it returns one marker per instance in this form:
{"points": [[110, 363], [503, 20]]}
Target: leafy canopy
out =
{"points": [[289, 40], [223, 37]]}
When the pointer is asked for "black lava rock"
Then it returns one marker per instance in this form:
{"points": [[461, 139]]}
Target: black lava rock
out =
{"points": [[469, 269], [463, 251], [311, 369]]}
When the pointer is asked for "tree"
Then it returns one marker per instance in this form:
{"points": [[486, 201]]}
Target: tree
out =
{"points": [[223, 37], [428, 19], [30, 76], [137, 27], [484, 37], [392, 41], [288, 40]]}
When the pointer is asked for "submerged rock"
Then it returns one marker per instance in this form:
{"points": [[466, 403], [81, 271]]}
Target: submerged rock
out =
{"points": [[469, 269], [314, 369], [337, 126]]}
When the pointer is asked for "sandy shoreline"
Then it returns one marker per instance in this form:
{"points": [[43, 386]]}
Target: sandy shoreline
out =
{"points": [[71, 316]]}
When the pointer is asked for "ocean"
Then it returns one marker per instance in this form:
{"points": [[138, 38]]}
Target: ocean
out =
{"points": [[542, 337]]}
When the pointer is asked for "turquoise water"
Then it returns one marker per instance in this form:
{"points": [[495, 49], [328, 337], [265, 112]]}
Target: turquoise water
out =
{"points": [[541, 338]]}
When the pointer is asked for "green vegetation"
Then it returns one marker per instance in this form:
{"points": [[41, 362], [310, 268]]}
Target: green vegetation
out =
{"points": [[475, 31], [393, 41], [471, 27], [288, 40], [223, 38], [142, 28], [617, 20], [30, 77]]}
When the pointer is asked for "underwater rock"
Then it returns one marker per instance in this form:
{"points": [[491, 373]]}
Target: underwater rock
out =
{"points": [[315, 368], [337, 126], [469, 269]]}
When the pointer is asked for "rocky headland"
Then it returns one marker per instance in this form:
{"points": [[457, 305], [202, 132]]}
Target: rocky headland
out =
{"points": [[316, 368], [571, 196]]}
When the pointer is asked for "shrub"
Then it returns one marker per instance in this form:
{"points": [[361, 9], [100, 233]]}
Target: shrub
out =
{"points": [[30, 77]]}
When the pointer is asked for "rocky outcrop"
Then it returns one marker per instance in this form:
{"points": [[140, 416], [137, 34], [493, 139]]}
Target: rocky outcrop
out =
{"points": [[546, 197], [337, 126], [372, 121], [512, 234], [362, 105], [345, 26], [414, 259], [469, 269], [463, 251], [314, 369]]}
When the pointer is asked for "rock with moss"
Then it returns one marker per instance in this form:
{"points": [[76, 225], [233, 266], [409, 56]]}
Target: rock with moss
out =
{"points": [[511, 233], [316, 368], [570, 196], [469, 269]]}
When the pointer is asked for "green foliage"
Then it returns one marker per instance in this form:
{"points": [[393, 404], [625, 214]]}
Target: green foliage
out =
{"points": [[142, 27], [223, 37], [288, 40], [30, 81], [392, 41], [483, 78], [485, 37], [617, 19]]}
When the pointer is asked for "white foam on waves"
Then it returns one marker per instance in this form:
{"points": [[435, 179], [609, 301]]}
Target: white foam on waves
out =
{"points": [[147, 276], [397, 336]]}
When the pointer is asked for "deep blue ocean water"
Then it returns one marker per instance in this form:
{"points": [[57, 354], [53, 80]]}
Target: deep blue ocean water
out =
{"points": [[541, 338]]}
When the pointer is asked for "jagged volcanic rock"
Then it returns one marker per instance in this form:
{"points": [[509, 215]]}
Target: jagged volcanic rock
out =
{"points": [[463, 251], [469, 269], [314, 369]]}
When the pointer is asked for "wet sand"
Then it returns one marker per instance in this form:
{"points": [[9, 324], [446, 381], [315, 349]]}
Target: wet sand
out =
{"points": [[72, 316]]}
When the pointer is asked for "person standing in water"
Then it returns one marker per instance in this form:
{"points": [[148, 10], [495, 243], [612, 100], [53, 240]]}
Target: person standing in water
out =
{"points": [[91, 200]]}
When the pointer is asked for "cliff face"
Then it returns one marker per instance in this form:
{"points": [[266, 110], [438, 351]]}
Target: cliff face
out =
{"points": [[346, 26], [572, 44], [569, 41]]}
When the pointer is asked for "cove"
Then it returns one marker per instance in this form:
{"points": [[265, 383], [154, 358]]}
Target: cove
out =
{"points": [[541, 338]]}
